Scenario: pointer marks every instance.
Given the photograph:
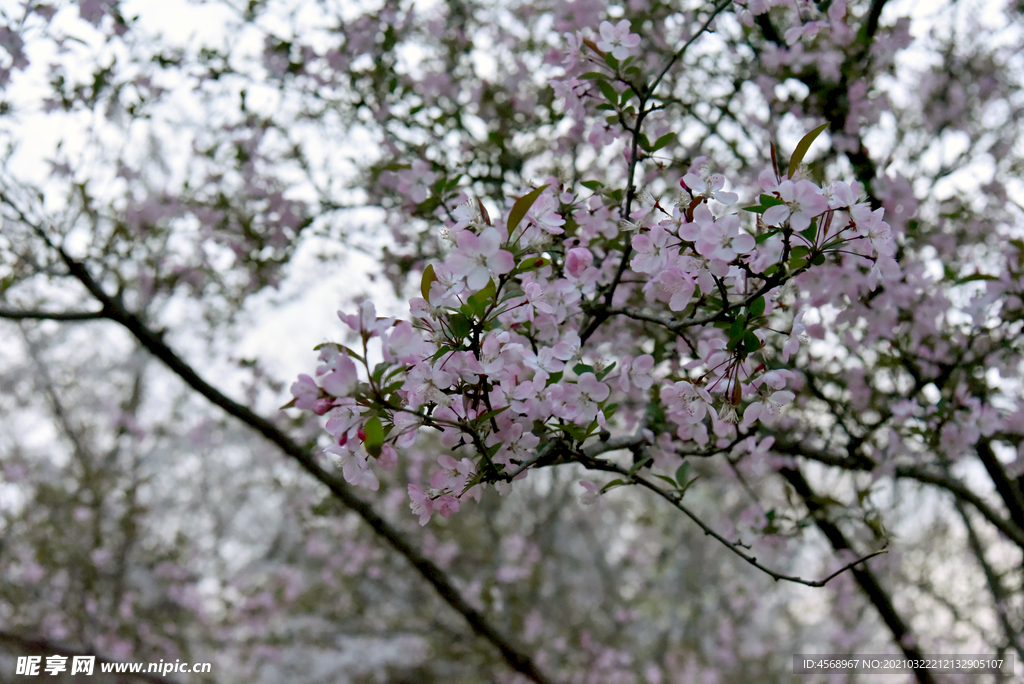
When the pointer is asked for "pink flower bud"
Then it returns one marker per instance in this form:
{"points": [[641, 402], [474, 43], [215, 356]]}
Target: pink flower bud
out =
{"points": [[577, 260]]}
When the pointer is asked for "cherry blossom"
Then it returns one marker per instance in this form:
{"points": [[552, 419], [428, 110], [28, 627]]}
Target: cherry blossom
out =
{"points": [[616, 39], [479, 256], [803, 201]]}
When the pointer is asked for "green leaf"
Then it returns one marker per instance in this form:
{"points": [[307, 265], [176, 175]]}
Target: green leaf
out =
{"points": [[682, 473], [802, 147], [764, 236], [592, 185], [482, 299], [767, 201], [460, 326], [640, 464], [339, 347], [662, 141], [818, 259], [530, 264], [379, 370], [484, 417], [575, 431], [736, 331], [644, 143], [374, 436], [593, 76], [684, 487], [757, 307], [581, 368], [751, 343], [608, 91], [613, 484], [428, 278], [799, 252], [669, 480], [521, 206]]}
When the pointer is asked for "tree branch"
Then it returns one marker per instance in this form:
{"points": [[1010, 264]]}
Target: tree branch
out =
{"points": [[115, 311], [911, 472], [676, 500], [16, 315], [865, 578]]}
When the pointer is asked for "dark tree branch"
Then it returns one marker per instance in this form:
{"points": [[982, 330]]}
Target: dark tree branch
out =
{"points": [[869, 584], [15, 315], [115, 311], [995, 585], [911, 472], [1008, 489]]}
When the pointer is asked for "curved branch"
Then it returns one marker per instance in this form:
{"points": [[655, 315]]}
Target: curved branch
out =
{"points": [[115, 311], [676, 500], [911, 472], [869, 584]]}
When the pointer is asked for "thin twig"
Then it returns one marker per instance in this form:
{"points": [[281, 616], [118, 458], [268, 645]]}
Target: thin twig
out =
{"points": [[675, 500]]}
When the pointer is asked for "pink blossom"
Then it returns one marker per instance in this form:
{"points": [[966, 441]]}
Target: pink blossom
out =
{"points": [[306, 392], [543, 214], [793, 343], [651, 250], [577, 260], [617, 39], [767, 409], [446, 504], [686, 401], [405, 344], [339, 374], [636, 373], [478, 257], [420, 503], [720, 239], [803, 201], [591, 494], [708, 185]]}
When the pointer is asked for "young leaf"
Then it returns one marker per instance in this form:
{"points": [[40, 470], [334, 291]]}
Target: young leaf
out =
{"points": [[802, 147], [460, 326], [428, 278], [669, 480], [522, 206], [640, 464], [683, 473], [757, 307], [482, 299], [751, 343], [608, 91], [374, 436], [662, 141]]}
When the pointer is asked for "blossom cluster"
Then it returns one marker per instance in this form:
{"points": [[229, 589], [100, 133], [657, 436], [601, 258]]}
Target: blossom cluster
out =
{"points": [[499, 357]]}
